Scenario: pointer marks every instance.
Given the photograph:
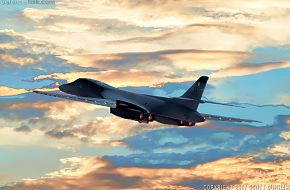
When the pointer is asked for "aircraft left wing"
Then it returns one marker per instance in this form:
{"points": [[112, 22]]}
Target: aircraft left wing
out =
{"points": [[97, 101], [222, 118]]}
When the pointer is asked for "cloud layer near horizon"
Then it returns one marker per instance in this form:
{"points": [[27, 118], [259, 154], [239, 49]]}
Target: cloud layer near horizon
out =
{"points": [[87, 173]]}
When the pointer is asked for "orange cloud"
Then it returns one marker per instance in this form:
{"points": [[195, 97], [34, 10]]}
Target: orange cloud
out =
{"points": [[80, 121], [9, 58], [281, 149], [93, 61], [188, 60], [120, 78], [87, 173], [205, 60], [155, 68], [7, 46], [247, 69], [7, 91], [100, 130], [159, 25]]}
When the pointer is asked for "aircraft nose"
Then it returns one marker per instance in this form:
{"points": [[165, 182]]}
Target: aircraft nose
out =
{"points": [[63, 88]]}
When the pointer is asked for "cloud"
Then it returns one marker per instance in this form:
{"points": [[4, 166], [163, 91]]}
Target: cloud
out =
{"points": [[68, 120], [88, 172], [28, 45], [28, 55], [119, 78], [198, 33], [99, 130], [8, 58], [151, 177], [11, 137], [159, 25], [281, 150], [248, 69], [23, 128], [168, 61], [7, 46], [53, 110], [182, 147], [6, 91], [155, 68]]}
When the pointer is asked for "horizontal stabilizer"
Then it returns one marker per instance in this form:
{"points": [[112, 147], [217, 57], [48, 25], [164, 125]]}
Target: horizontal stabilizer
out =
{"points": [[97, 101], [225, 104], [189, 101], [222, 118]]}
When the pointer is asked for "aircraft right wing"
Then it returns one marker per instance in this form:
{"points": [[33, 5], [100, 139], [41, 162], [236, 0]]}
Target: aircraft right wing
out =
{"points": [[97, 101], [222, 118]]}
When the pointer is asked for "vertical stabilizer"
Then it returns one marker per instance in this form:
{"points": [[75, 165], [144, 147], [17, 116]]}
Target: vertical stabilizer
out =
{"points": [[196, 90]]}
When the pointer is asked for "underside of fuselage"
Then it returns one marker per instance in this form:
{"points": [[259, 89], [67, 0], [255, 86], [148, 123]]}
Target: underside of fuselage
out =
{"points": [[147, 117], [133, 112]]}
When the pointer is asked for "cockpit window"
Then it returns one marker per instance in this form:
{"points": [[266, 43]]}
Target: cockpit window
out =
{"points": [[80, 81], [99, 83]]}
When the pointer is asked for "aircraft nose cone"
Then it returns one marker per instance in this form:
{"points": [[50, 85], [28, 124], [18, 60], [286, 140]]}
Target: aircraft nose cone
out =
{"points": [[63, 88]]}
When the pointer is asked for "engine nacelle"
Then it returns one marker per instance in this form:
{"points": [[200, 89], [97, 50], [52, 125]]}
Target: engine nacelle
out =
{"points": [[125, 113], [186, 123]]}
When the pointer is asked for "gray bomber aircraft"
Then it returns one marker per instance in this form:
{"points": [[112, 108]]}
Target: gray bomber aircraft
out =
{"points": [[180, 111]]}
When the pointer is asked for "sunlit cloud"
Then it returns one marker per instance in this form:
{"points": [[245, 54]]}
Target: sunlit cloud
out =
{"points": [[7, 91], [99, 131], [247, 69], [119, 78], [88, 172], [36, 138], [8, 58], [28, 45], [154, 68], [148, 26], [7, 46], [282, 150], [77, 121], [169, 61]]}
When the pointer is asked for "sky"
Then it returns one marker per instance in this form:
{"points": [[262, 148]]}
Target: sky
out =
{"points": [[156, 47]]}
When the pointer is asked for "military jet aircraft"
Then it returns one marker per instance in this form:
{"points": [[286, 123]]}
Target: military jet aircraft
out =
{"points": [[179, 111]]}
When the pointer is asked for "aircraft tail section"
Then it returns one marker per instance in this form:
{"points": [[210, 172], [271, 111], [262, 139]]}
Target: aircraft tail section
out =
{"points": [[196, 90]]}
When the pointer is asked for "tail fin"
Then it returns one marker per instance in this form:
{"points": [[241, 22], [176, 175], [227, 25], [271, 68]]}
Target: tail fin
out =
{"points": [[196, 90], [194, 94]]}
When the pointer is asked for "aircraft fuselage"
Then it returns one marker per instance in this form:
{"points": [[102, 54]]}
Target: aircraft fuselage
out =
{"points": [[139, 107]]}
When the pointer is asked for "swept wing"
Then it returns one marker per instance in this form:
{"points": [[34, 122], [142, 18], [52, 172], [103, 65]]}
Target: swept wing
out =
{"points": [[97, 101], [222, 118]]}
